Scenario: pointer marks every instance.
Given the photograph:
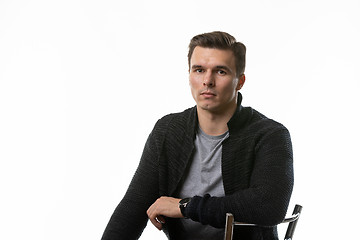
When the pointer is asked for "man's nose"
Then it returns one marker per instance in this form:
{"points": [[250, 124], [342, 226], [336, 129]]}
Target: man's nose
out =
{"points": [[209, 80]]}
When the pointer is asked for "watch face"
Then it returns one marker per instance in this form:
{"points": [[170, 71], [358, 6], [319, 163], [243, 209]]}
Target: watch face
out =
{"points": [[182, 205], [184, 201]]}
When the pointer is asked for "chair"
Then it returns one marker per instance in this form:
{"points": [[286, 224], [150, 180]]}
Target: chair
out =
{"points": [[292, 220]]}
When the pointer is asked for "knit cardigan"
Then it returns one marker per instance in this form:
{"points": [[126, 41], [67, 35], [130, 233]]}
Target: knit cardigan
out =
{"points": [[257, 171]]}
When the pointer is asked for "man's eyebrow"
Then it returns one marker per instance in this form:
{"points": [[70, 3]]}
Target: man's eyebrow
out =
{"points": [[196, 66], [223, 67], [218, 67]]}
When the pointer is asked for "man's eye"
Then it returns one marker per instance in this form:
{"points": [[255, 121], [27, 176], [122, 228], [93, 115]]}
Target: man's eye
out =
{"points": [[221, 72], [199, 70]]}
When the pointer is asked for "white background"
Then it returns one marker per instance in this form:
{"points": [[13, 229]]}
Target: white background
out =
{"points": [[83, 82]]}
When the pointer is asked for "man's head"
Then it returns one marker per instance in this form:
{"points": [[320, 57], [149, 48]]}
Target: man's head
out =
{"points": [[216, 71], [222, 41]]}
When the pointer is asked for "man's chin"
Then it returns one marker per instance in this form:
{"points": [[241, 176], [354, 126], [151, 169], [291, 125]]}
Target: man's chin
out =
{"points": [[208, 107]]}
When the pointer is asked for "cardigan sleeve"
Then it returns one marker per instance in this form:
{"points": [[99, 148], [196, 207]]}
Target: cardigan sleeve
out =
{"points": [[266, 199], [129, 218]]}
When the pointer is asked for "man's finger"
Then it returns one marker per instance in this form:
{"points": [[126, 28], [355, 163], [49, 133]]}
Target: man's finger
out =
{"points": [[154, 219], [160, 219], [156, 223]]}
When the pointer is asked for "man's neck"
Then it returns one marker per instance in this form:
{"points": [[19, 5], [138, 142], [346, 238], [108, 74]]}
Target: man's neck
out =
{"points": [[214, 123]]}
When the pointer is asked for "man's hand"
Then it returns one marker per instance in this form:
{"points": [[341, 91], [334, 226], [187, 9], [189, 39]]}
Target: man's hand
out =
{"points": [[164, 207]]}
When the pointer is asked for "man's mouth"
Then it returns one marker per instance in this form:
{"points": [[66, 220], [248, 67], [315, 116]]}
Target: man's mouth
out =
{"points": [[207, 93]]}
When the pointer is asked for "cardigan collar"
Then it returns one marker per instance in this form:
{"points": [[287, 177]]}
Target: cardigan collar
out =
{"points": [[236, 122], [240, 117]]}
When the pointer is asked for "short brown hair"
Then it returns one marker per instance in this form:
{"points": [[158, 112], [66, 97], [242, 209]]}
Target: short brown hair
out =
{"points": [[223, 41]]}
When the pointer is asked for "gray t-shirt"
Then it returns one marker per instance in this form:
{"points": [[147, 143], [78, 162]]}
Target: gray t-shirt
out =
{"points": [[204, 176]]}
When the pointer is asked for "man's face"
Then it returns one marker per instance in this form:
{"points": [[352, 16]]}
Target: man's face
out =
{"points": [[213, 80]]}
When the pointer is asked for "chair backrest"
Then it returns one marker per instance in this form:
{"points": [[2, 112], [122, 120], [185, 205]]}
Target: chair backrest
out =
{"points": [[292, 220]]}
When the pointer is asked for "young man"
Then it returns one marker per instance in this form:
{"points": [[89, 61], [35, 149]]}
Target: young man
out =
{"points": [[214, 158]]}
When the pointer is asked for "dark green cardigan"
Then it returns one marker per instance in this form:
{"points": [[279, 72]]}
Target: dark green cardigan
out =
{"points": [[257, 170]]}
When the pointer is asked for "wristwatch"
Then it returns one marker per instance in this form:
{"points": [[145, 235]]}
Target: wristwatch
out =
{"points": [[182, 205]]}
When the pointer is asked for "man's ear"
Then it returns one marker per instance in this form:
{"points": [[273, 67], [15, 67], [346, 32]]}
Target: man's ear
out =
{"points": [[241, 82]]}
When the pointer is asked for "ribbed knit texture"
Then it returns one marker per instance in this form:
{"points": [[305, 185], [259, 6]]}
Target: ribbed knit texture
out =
{"points": [[257, 172]]}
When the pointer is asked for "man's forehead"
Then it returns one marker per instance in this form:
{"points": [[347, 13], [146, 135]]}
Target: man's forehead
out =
{"points": [[214, 56]]}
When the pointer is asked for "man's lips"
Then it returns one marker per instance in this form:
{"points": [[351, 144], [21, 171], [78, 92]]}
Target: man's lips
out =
{"points": [[207, 93]]}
